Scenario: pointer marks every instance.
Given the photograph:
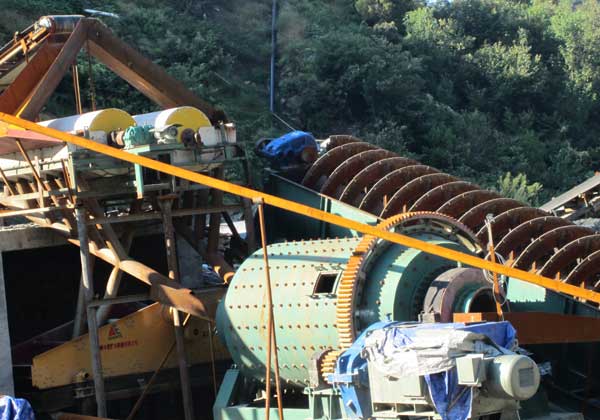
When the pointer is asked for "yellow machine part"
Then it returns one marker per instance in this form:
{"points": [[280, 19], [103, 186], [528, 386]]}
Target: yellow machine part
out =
{"points": [[106, 120], [134, 344], [186, 116]]}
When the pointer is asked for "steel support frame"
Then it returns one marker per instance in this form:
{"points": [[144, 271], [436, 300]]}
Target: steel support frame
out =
{"points": [[87, 282], [6, 366], [166, 204], [305, 210], [542, 327]]}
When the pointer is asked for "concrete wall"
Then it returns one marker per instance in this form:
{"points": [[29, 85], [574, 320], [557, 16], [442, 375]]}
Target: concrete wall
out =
{"points": [[6, 373]]}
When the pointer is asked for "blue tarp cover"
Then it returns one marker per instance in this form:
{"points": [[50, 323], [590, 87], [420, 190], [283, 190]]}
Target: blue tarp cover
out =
{"points": [[290, 145], [15, 409], [452, 401]]}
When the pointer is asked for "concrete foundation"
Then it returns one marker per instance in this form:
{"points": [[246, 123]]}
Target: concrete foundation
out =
{"points": [[14, 238], [6, 373]]}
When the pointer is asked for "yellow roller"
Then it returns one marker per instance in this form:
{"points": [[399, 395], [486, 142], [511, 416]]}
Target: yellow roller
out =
{"points": [[188, 117], [105, 120]]}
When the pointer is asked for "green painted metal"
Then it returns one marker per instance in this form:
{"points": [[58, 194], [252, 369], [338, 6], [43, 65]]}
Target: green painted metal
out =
{"points": [[397, 280], [304, 278], [137, 135], [304, 317], [291, 226], [526, 297], [323, 404]]}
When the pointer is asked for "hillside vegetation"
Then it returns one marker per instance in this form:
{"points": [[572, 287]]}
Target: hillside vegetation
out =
{"points": [[478, 88]]}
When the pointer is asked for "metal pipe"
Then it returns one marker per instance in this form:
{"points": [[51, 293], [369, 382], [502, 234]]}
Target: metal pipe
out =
{"points": [[249, 222], [308, 211], [271, 336], [76, 89], [114, 281], [6, 182], [170, 245], [15, 213], [117, 300], [34, 171], [79, 322], [492, 250], [88, 285], [141, 398], [157, 215], [273, 56], [214, 225]]}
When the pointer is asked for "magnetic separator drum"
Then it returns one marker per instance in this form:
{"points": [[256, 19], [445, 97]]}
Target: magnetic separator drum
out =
{"points": [[188, 118], [326, 291], [104, 120]]}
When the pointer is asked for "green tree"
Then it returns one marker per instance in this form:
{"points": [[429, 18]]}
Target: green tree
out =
{"points": [[579, 31], [518, 188]]}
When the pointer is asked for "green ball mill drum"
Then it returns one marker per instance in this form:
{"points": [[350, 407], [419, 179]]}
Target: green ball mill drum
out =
{"points": [[326, 291]]}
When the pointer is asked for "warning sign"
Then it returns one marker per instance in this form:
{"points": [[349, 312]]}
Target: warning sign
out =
{"points": [[114, 332]]}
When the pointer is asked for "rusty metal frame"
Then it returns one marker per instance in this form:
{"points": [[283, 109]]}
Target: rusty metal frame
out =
{"points": [[297, 208], [510, 219], [543, 247], [462, 203], [327, 163], [48, 83], [37, 81], [561, 261], [543, 327], [375, 200], [515, 241], [475, 218], [147, 77], [404, 199], [369, 176], [339, 178]]}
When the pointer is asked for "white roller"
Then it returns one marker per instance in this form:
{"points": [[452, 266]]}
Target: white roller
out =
{"points": [[187, 116], [109, 119], [98, 123]]}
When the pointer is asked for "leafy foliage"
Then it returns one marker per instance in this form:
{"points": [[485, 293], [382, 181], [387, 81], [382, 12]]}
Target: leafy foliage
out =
{"points": [[518, 188], [478, 88]]}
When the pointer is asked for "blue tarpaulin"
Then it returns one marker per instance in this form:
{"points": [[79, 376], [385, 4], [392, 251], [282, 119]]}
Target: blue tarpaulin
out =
{"points": [[452, 401], [289, 146], [15, 409]]}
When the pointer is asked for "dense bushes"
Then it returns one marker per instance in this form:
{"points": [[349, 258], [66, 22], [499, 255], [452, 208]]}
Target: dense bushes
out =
{"points": [[478, 88]]}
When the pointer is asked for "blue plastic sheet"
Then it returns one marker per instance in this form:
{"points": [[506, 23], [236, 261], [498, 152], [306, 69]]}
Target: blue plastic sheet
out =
{"points": [[452, 401], [15, 409]]}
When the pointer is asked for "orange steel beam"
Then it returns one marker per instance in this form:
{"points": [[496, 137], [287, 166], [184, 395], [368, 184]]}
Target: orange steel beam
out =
{"points": [[305, 210], [542, 327], [63, 61], [25, 82]]}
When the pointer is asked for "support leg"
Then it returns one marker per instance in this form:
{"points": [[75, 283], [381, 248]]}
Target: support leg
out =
{"points": [[184, 374], [6, 366], [80, 321], [88, 287]]}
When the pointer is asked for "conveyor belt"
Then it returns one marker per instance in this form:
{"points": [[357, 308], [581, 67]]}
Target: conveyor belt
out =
{"points": [[573, 193]]}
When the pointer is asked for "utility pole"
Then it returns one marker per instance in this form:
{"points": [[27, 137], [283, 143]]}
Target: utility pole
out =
{"points": [[273, 56]]}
